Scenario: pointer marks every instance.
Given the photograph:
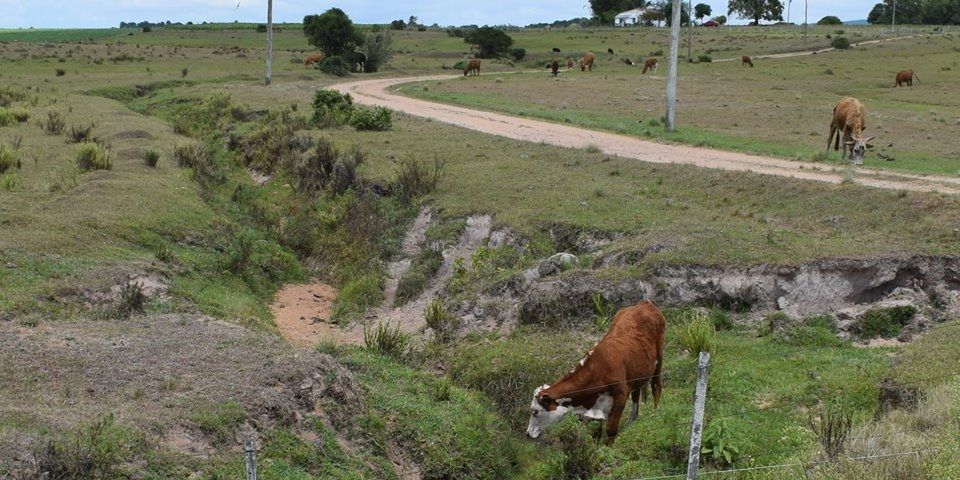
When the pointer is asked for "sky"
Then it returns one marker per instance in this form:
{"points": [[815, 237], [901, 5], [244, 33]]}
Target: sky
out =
{"points": [[109, 13]]}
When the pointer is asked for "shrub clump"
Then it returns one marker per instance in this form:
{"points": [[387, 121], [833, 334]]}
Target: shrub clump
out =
{"points": [[6, 117], [81, 133], [378, 119], [331, 108], [335, 65], [840, 43], [387, 340], [705, 59], [54, 124], [415, 179], [886, 322], [697, 335], [150, 156], [8, 158], [92, 156], [442, 322], [378, 48], [21, 115]]}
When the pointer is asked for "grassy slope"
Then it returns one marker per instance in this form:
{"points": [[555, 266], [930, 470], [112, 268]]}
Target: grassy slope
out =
{"points": [[780, 108]]}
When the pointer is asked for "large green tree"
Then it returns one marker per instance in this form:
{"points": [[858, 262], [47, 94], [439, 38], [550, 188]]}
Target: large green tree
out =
{"points": [[332, 32], [941, 12], [701, 11], [931, 12], [493, 42], [605, 10], [756, 10]]}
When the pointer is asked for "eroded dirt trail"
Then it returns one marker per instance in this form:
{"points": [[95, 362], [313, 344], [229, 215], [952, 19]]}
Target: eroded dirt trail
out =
{"points": [[302, 313], [376, 92]]}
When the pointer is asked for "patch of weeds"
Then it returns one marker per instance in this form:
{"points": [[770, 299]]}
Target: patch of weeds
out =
{"points": [[6, 117], [92, 451], [832, 426], [218, 420], [8, 158], [60, 72], [151, 156], [132, 300], [358, 294], [443, 323], [818, 332], [698, 335], [386, 340], [54, 124], [415, 179], [379, 119], [81, 133], [705, 59], [92, 156], [592, 149], [720, 319], [885, 322], [603, 312], [820, 157], [720, 443], [579, 456]]}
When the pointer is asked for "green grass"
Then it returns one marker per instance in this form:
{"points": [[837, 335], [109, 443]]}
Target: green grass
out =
{"points": [[58, 35]]}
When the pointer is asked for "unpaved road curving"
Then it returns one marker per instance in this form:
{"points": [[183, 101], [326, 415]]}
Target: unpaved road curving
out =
{"points": [[814, 52], [376, 92]]}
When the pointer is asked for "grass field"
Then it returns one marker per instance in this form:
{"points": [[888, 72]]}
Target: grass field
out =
{"points": [[177, 374]]}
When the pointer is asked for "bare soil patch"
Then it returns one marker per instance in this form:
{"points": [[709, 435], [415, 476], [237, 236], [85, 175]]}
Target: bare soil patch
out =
{"points": [[303, 312]]}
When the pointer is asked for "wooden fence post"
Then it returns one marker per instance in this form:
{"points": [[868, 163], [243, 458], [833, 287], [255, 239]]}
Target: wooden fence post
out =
{"points": [[251, 456], [693, 461]]}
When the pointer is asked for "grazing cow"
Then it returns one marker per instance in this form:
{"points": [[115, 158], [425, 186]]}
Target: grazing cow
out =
{"points": [[746, 60], [849, 122], [905, 77], [554, 68], [622, 364], [556, 50], [312, 59], [610, 51], [569, 64], [651, 64], [472, 67], [628, 62], [587, 62]]}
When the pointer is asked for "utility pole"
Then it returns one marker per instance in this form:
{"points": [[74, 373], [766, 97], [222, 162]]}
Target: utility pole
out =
{"points": [[806, 8], [696, 430], [690, 31], [671, 119], [269, 76]]}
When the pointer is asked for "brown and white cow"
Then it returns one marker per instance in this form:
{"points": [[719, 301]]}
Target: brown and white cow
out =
{"points": [[746, 60], [622, 364], [651, 65], [570, 64], [587, 62], [906, 77], [472, 67], [849, 121]]}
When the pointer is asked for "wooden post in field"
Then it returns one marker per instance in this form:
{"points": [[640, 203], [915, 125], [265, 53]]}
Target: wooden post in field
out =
{"points": [[693, 461], [251, 456], [268, 79], [893, 20], [806, 8], [671, 119]]}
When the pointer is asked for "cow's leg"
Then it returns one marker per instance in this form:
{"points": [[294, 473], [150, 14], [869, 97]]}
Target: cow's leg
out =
{"points": [[635, 396], [613, 420]]}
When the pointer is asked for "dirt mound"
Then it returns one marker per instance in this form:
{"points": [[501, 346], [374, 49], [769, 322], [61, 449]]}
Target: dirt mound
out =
{"points": [[303, 312]]}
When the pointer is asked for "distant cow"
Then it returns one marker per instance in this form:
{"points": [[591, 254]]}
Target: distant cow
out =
{"points": [[746, 60], [570, 64], [313, 58], [554, 68], [628, 62], [556, 50], [610, 51], [587, 62], [905, 77], [849, 122], [627, 359], [651, 64], [472, 67]]}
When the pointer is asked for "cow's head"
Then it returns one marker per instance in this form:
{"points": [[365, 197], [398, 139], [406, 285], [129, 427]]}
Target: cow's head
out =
{"points": [[545, 411], [858, 147]]}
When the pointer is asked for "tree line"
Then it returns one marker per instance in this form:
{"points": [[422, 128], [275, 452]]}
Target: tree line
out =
{"points": [[917, 12]]}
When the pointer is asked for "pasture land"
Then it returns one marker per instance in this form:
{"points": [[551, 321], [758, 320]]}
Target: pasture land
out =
{"points": [[177, 385]]}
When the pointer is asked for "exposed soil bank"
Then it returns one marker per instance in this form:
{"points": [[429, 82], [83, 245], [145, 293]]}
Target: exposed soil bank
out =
{"points": [[303, 312]]}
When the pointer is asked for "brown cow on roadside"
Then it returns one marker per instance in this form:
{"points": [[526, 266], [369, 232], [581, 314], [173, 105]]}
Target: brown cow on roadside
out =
{"points": [[627, 359], [651, 64], [472, 67], [746, 60], [569, 64], [587, 62], [849, 122], [555, 68], [905, 77], [313, 58]]}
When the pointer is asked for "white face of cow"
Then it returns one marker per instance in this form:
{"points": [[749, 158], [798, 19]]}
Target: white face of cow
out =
{"points": [[858, 148], [545, 411]]}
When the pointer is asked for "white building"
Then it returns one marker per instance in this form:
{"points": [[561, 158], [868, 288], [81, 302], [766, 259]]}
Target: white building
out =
{"points": [[630, 17]]}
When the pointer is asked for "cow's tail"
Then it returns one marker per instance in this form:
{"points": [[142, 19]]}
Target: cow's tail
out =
{"points": [[656, 384]]}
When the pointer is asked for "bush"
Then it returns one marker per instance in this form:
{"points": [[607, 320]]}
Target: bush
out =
{"points": [[332, 32], [147, 29], [705, 59], [421, 28], [378, 48], [378, 120], [80, 134], [8, 158], [885, 322], [132, 300], [840, 43], [198, 157], [697, 335], [719, 443], [21, 115], [493, 42], [386, 340], [261, 28], [331, 108], [91, 451], [92, 156], [6, 117], [189, 154], [518, 53], [150, 156], [60, 72], [415, 179], [335, 65], [54, 124], [830, 20], [398, 25]]}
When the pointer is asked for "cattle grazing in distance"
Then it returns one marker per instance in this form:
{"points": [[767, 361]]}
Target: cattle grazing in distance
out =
{"points": [[556, 50], [746, 60], [312, 59], [849, 122], [554, 68], [610, 51], [623, 363], [472, 67], [587, 62], [570, 64], [906, 77], [628, 62], [651, 65]]}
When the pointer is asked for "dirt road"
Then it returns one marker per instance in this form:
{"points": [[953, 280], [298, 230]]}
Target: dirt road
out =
{"points": [[376, 92]]}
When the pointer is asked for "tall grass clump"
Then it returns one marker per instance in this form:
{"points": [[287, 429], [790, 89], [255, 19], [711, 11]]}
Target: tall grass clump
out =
{"points": [[697, 336], [93, 451], [832, 427], [443, 323], [151, 156], [331, 108], [80, 133], [387, 340], [603, 312], [20, 114], [54, 123], [8, 158], [414, 178], [6, 117], [92, 156]]}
